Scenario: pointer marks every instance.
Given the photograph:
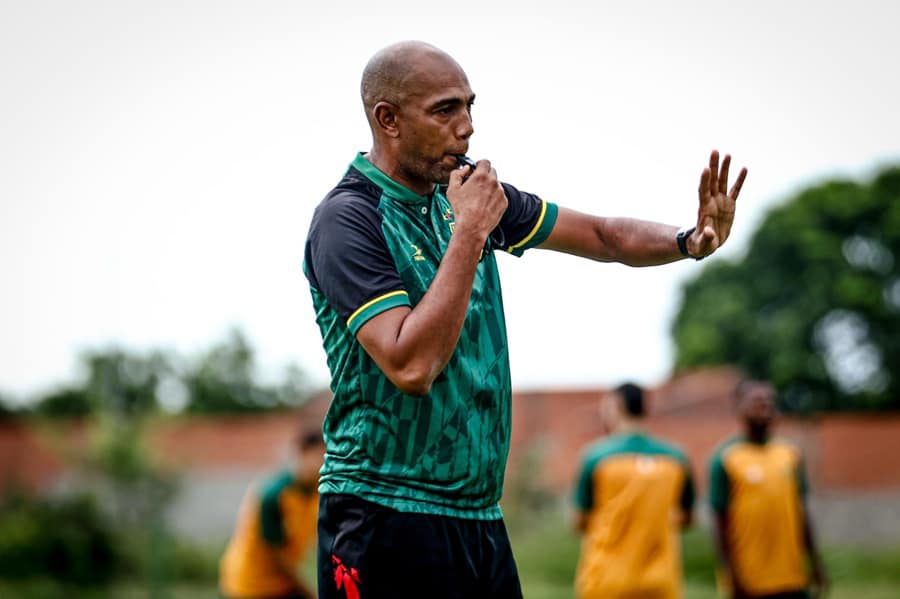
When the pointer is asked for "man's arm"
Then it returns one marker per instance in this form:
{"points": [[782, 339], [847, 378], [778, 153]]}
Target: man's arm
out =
{"points": [[412, 346], [643, 243], [289, 568], [719, 500], [723, 554], [688, 497], [820, 578], [273, 533], [580, 521]]}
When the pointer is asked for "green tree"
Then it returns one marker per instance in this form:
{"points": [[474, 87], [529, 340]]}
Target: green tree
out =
{"points": [[7, 410], [224, 379], [68, 402], [117, 381], [814, 306], [127, 384]]}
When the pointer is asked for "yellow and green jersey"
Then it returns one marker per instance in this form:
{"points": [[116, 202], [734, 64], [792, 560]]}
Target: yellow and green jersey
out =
{"points": [[761, 487], [374, 245], [278, 517], [634, 490]]}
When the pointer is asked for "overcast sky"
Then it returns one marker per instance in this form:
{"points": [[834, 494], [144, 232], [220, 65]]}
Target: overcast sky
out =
{"points": [[160, 161]]}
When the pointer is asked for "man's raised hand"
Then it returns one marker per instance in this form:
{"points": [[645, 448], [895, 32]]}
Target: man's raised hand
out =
{"points": [[716, 212]]}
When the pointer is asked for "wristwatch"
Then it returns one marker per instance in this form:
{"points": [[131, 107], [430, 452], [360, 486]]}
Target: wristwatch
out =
{"points": [[681, 238]]}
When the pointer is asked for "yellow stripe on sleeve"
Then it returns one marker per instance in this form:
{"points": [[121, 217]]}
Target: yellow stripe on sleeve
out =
{"points": [[362, 308], [534, 231]]}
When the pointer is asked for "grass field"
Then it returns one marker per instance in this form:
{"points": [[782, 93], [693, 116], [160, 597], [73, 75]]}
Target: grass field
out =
{"points": [[533, 589], [546, 555], [546, 552]]}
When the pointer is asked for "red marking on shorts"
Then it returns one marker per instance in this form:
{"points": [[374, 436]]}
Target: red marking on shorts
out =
{"points": [[345, 578]]}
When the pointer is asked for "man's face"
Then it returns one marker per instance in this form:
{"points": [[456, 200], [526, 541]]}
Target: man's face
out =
{"points": [[435, 121], [611, 411], [757, 405]]}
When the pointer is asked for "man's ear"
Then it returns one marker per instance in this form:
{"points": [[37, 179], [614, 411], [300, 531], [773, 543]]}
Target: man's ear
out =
{"points": [[386, 115]]}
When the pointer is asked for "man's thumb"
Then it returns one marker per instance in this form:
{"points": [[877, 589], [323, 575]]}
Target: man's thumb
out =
{"points": [[456, 176]]}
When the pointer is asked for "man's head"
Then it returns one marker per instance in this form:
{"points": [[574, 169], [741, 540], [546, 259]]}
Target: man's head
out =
{"points": [[309, 453], [623, 405], [417, 101], [755, 406]]}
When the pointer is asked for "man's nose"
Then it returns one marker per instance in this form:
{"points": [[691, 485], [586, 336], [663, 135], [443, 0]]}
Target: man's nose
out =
{"points": [[465, 129]]}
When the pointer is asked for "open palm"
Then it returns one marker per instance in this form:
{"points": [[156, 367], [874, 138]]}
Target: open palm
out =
{"points": [[716, 212]]}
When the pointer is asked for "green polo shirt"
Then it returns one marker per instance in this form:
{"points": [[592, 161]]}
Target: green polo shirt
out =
{"points": [[374, 245]]}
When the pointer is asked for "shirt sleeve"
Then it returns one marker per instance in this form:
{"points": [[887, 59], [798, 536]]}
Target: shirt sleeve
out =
{"points": [[584, 488], [802, 480], [527, 222], [348, 261], [270, 520], [718, 485], [688, 490]]}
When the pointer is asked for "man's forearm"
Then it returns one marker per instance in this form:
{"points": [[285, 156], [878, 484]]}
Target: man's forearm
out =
{"points": [[723, 551], [809, 539], [412, 346], [289, 569], [638, 242], [432, 329], [627, 240]]}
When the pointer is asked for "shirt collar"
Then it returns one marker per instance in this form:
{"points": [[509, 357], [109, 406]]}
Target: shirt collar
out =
{"points": [[389, 186]]}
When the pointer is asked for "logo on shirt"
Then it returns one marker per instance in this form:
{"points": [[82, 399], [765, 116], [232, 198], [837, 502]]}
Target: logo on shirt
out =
{"points": [[753, 474], [448, 216], [417, 253], [645, 465]]}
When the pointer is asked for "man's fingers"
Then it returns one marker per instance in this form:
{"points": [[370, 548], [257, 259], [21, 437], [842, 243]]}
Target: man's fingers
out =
{"points": [[703, 191], [704, 185], [714, 170], [457, 175], [736, 188], [483, 164], [723, 176]]}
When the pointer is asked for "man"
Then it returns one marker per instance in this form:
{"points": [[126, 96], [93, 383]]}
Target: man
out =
{"points": [[757, 490], [275, 528], [407, 298], [633, 495]]}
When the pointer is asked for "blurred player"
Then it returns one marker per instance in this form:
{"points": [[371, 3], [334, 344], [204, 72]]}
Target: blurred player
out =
{"points": [[633, 495], [275, 528], [757, 490]]}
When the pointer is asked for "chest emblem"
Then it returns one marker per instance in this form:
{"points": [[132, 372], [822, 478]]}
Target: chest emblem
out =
{"points": [[447, 215], [753, 474], [417, 253], [645, 465]]}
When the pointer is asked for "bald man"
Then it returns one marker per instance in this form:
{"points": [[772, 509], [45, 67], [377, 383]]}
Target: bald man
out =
{"points": [[401, 261]]}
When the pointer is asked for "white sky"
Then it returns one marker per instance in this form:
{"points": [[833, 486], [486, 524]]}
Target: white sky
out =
{"points": [[160, 161]]}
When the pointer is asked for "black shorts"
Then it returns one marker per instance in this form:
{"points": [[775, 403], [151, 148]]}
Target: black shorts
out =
{"points": [[368, 551]]}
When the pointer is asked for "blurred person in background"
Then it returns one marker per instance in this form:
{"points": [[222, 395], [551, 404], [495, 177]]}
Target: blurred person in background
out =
{"points": [[633, 496], [276, 526], [757, 490]]}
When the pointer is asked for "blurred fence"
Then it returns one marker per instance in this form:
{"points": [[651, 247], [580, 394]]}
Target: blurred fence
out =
{"points": [[853, 461]]}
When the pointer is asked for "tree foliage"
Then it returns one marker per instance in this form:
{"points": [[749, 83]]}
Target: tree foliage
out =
{"points": [[815, 304], [67, 539], [132, 384]]}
